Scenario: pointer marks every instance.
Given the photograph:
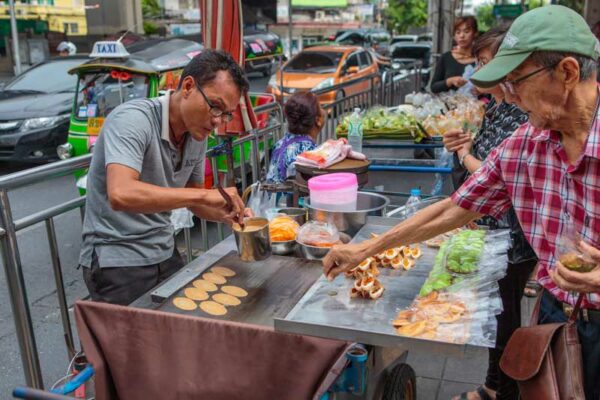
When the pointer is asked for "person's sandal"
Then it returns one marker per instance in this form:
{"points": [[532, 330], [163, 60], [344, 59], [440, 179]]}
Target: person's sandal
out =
{"points": [[483, 395], [532, 288]]}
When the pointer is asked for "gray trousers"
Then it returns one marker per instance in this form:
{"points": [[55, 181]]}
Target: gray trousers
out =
{"points": [[124, 285]]}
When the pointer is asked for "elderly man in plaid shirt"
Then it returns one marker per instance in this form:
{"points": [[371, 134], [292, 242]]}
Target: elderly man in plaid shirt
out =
{"points": [[548, 170]]}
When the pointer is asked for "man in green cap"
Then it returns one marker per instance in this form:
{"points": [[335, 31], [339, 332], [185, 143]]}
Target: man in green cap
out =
{"points": [[548, 170]]}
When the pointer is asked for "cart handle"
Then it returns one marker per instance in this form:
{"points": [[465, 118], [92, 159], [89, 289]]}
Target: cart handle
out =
{"points": [[77, 381], [22, 392]]}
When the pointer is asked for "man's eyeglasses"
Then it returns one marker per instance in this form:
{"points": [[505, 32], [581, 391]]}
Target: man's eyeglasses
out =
{"points": [[215, 111], [508, 87]]}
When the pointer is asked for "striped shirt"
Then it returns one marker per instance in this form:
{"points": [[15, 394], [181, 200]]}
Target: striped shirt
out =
{"points": [[531, 172]]}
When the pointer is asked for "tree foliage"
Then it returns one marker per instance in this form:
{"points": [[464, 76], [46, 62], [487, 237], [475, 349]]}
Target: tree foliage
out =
{"points": [[576, 5], [404, 14], [485, 17], [151, 9]]}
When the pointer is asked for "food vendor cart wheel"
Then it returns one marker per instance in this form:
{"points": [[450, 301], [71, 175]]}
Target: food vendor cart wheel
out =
{"points": [[401, 384]]}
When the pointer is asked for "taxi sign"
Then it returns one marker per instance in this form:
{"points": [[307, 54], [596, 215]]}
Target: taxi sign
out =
{"points": [[109, 49]]}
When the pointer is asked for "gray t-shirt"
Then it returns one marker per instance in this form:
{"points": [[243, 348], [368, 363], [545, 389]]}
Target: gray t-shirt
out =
{"points": [[136, 134]]}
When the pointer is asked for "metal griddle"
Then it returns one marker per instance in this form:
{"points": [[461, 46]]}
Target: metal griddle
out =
{"points": [[327, 310], [274, 287]]}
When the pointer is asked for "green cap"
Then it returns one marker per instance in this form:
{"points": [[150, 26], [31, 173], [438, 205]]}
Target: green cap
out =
{"points": [[548, 28]]}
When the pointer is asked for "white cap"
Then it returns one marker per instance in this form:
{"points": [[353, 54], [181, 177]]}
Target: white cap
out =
{"points": [[67, 46]]}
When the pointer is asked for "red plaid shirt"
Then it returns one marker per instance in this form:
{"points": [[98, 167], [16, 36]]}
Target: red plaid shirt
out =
{"points": [[530, 171]]}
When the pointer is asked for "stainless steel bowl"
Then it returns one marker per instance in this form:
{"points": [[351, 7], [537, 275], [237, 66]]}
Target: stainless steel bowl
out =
{"points": [[317, 253], [300, 215], [350, 222], [313, 252], [283, 248]]}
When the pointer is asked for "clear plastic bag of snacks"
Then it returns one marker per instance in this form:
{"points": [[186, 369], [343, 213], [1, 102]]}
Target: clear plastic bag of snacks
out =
{"points": [[318, 234]]}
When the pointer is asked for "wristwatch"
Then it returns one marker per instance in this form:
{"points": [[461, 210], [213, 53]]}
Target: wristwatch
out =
{"points": [[461, 160]]}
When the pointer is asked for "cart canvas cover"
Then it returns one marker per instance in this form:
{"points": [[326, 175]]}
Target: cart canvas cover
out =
{"points": [[144, 354]]}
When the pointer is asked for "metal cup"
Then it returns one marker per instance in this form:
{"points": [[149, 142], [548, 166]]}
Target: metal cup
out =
{"points": [[253, 242]]}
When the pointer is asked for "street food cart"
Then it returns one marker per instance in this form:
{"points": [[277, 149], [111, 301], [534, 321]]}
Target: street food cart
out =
{"points": [[290, 294]]}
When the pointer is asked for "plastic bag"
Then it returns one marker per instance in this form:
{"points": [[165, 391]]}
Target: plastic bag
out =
{"points": [[467, 89], [261, 201], [568, 252], [182, 218], [318, 234], [446, 160], [478, 290]]}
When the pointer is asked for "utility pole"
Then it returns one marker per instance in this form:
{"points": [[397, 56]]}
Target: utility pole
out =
{"points": [[15, 37], [290, 25]]}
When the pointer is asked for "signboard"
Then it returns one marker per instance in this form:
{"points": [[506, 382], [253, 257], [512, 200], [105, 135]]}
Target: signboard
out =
{"points": [[508, 10], [109, 49], [282, 13], [94, 125], [185, 29]]}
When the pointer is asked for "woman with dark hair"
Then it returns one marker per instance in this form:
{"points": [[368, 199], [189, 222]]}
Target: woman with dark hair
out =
{"points": [[500, 121], [449, 70], [305, 119]]}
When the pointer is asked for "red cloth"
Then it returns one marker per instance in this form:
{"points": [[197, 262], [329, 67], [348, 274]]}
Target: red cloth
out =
{"points": [[145, 354], [222, 29], [531, 171]]}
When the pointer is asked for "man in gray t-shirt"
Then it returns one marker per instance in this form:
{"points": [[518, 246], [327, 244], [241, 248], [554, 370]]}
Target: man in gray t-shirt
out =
{"points": [[149, 160]]}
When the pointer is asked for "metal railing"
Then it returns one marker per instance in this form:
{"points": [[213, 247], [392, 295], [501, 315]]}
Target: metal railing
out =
{"points": [[387, 89]]}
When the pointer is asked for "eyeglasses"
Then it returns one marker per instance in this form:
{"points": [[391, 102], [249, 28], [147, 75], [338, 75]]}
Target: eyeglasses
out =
{"points": [[215, 111], [508, 87]]}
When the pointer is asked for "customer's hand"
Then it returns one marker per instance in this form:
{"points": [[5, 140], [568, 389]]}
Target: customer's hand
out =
{"points": [[582, 282], [456, 81], [342, 258], [456, 139]]}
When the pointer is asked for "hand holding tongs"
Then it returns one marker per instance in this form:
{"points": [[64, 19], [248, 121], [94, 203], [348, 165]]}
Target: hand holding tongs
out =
{"points": [[230, 206]]}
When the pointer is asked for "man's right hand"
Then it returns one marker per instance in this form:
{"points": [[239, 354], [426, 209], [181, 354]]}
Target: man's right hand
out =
{"points": [[215, 208]]}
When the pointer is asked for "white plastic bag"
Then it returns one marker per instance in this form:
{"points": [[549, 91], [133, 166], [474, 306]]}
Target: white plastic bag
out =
{"points": [[261, 201], [182, 218]]}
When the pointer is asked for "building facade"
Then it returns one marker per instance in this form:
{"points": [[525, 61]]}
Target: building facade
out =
{"points": [[66, 16]]}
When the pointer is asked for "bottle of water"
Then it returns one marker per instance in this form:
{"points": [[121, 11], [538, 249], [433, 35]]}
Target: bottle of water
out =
{"points": [[355, 131], [413, 202]]}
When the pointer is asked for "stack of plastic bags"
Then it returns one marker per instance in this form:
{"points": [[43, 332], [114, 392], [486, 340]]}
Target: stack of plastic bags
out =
{"points": [[327, 154]]}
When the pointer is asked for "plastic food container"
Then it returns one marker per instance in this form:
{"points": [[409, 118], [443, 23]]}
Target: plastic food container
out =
{"points": [[334, 192]]}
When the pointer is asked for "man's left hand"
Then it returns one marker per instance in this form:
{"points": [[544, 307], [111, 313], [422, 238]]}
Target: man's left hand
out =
{"points": [[582, 282]]}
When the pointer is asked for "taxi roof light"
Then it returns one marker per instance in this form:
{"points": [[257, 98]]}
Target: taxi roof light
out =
{"points": [[109, 49]]}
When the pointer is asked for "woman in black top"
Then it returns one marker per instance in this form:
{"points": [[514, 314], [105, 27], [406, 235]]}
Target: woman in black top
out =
{"points": [[500, 121], [451, 66]]}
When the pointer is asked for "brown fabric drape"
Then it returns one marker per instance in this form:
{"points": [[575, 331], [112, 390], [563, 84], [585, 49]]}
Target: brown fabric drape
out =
{"points": [[145, 354]]}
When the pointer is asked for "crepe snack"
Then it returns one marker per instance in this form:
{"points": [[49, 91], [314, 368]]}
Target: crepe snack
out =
{"points": [[283, 229]]}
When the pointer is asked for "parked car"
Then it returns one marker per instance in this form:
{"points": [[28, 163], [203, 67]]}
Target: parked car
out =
{"points": [[322, 67], [425, 37], [402, 53], [35, 108], [404, 39]]}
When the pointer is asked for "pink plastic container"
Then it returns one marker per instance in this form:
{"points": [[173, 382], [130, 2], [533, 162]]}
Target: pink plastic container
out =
{"points": [[334, 192]]}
